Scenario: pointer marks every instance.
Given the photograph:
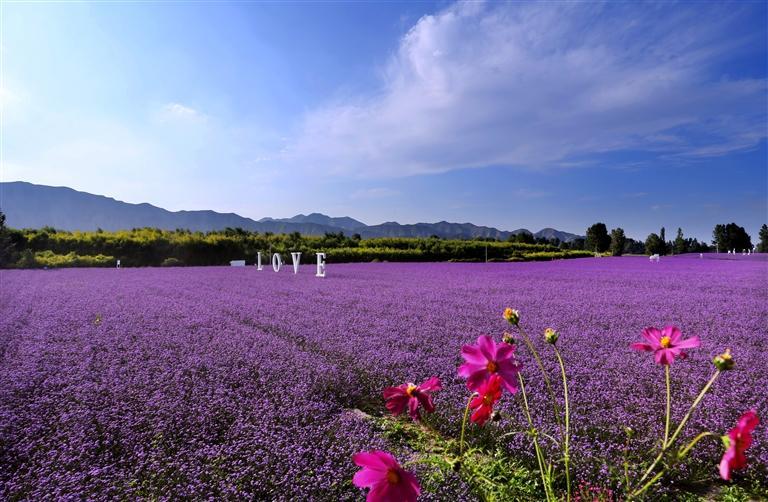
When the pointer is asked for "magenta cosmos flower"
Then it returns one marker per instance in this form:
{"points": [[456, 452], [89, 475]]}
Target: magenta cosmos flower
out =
{"points": [[412, 396], [666, 344], [383, 475], [489, 358], [488, 394], [739, 439]]}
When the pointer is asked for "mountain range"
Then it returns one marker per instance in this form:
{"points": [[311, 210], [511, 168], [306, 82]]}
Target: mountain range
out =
{"points": [[27, 205]]}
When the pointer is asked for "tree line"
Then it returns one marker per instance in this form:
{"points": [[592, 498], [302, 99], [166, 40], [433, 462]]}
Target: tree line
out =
{"points": [[48, 247], [725, 237]]}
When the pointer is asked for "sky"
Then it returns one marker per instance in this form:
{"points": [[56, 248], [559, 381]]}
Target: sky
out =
{"points": [[546, 114]]}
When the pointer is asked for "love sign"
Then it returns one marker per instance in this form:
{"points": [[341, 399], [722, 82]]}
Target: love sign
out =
{"points": [[277, 263]]}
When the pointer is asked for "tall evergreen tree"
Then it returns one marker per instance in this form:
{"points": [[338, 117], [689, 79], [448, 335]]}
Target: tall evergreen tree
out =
{"points": [[618, 240], [763, 246], [680, 246], [598, 239]]}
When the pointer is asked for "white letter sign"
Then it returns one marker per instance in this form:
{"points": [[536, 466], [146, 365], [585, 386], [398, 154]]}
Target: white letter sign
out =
{"points": [[258, 261], [320, 265], [277, 262], [296, 260]]}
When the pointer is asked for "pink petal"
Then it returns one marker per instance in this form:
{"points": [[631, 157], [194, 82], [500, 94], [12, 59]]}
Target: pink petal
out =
{"points": [[467, 369], [653, 335], [673, 332], [426, 402], [477, 379], [397, 404], [725, 467], [690, 343], [509, 381], [642, 346], [381, 492], [391, 392], [504, 351], [366, 477], [411, 482], [748, 421], [664, 356], [413, 408], [430, 385], [472, 355], [487, 347], [371, 459]]}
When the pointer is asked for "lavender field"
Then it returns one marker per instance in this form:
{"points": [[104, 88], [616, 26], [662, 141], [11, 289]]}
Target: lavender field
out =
{"points": [[234, 383]]}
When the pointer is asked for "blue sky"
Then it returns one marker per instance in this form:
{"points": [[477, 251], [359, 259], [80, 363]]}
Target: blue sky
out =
{"points": [[509, 115]]}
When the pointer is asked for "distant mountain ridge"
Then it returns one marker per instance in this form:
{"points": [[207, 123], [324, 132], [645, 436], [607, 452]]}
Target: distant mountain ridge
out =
{"points": [[34, 206]]}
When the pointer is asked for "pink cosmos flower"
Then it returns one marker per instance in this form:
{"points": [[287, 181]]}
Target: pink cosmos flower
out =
{"points": [[489, 393], [666, 344], [383, 475], [740, 437], [412, 395], [489, 358]]}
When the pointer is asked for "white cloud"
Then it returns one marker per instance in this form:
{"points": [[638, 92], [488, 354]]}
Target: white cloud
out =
{"points": [[178, 111], [542, 85]]}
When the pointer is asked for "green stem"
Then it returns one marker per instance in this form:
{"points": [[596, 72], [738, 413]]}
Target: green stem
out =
{"points": [[693, 442], [544, 374], [676, 433], [669, 406], [626, 463], [464, 424], [647, 485], [532, 432], [566, 457], [693, 406]]}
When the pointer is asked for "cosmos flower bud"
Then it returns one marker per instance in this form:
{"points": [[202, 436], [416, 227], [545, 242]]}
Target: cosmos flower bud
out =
{"points": [[724, 361], [629, 431], [551, 336], [508, 338], [512, 316]]}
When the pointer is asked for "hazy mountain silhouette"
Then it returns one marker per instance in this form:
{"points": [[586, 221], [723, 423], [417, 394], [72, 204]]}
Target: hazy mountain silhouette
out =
{"points": [[34, 206]]}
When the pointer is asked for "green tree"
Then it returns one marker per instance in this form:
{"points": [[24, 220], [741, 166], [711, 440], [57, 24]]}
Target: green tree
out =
{"points": [[763, 246], [731, 236], [525, 238], [680, 245], [618, 240], [654, 245], [598, 239], [6, 246]]}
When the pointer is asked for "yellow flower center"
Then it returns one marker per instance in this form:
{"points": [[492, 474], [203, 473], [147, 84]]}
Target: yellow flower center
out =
{"points": [[492, 367], [665, 342], [393, 477], [411, 388], [488, 400]]}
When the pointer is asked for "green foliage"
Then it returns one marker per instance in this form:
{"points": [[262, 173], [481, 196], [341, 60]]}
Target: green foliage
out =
{"points": [[154, 247], [680, 245], [731, 236], [52, 260], [598, 239], [618, 241], [654, 245], [762, 247], [5, 242]]}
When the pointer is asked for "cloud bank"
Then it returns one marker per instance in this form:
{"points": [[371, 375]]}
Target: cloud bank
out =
{"points": [[543, 85]]}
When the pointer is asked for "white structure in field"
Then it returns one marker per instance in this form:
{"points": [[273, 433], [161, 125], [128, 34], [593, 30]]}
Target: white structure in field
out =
{"points": [[655, 257], [320, 265], [237, 263], [118, 263]]}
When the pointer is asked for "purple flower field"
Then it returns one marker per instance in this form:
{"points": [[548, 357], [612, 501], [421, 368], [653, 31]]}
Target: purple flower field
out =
{"points": [[235, 383]]}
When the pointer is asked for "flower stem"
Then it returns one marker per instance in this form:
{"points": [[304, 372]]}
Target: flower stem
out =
{"points": [[693, 406], [669, 406], [464, 424], [674, 436], [566, 457], [532, 432], [544, 374], [693, 442]]}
